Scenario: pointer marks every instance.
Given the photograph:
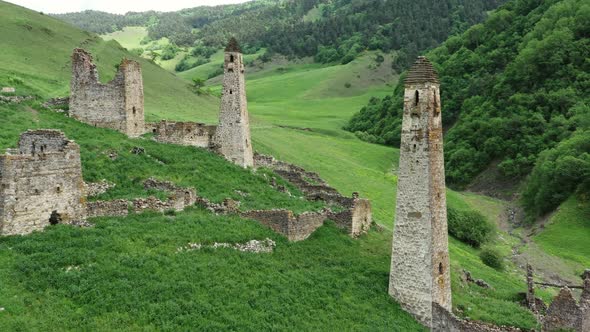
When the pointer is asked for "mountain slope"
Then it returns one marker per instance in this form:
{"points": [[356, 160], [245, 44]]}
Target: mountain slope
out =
{"points": [[36, 52], [332, 31], [512, 87]]}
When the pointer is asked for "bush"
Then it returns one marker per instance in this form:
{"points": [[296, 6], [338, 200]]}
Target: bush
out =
{"points": [[347, 85], [492, 258], [169, 52], [470, 226]]}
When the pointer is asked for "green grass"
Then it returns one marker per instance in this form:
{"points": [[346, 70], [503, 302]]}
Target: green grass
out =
{"points": [[211, 175], [567, 232], [130, 277], [126, 274], [129, 37]]}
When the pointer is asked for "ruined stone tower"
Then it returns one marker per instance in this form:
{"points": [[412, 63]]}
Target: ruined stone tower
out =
{"points": [[117, 105], [41, 183], [232, 138], [420, 273]]}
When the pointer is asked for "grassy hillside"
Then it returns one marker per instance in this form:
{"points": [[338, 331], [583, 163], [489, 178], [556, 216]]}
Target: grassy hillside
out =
{"points": [[567, 232], [126, 272], [36, 52]]}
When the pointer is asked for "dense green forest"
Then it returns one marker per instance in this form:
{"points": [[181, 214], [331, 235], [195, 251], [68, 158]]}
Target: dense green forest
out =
{"points": [[329, 30], [515, 93]]}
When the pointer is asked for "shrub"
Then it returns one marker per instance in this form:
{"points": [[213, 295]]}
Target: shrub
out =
{"points": [[470, 226], [347, 85], [492, 258]]}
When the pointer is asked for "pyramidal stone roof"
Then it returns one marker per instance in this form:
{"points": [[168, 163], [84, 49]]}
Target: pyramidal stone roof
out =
{"points": [[233, 46], [421, 72]]}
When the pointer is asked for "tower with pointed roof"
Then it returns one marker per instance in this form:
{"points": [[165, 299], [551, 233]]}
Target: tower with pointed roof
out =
{"points": [[232, 137], [420, 270]]}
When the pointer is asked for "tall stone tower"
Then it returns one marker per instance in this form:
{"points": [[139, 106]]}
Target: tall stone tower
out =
{"points": [[420, 273], [232, 137]]}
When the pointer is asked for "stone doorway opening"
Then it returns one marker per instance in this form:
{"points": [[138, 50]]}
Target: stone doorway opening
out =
{"points": [[55, 218]]}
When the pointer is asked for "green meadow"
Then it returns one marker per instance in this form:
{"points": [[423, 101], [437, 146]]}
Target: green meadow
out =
{"points": [[126, 273]]}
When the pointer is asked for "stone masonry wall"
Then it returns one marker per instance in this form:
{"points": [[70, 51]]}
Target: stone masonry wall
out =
{"points": [[41, 183], [295, 228], [184, 133], [232, 137], [565, 313], [357, 216], [115, 208], [116, 105]]}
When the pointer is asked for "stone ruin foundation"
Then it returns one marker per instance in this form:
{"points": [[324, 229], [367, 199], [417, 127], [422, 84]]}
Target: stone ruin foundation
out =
{"points": [[116, 105], [41, 183], [355, 217], [183, 133], [565, 314]]}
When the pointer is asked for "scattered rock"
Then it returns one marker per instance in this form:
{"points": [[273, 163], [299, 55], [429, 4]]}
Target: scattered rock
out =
{"points": [[138, 150], [482, 284], [14, 99], [112, 154], [98, 188], [2, 309], [8, 89], [254, 246]]}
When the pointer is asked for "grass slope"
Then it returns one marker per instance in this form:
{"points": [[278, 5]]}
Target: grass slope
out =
{"points": [[567, 232], [36, 52], [320, 286]]}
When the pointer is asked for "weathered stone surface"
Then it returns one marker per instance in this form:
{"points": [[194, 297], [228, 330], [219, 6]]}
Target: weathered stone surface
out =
{"points": [[41, 183], [232, 137], [445, 321], [564, 313], [357, 216], [115, 208], [14, 99], [184, 133], [420, 270], [98, 188], [8, 89], [295, 228], [116, 105]]}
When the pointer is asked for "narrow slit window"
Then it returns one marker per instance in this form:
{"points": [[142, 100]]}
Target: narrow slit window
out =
{"points": [[440, 269], [231, 58], [416, 98]]}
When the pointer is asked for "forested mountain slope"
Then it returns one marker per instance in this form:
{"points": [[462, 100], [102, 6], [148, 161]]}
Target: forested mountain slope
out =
{"points": [[515, 92], [330, 30]]}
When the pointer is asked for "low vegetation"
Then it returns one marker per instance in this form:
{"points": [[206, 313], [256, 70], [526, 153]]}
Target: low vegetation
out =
{"points": [[469, 226]]}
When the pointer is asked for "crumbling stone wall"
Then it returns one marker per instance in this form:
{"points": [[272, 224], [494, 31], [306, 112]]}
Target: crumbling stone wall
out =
{"points": [[115, 208], [357, 219], [445, 321], [357, 216], [232, 137], [420, 269], [41, 183], [116, 105], [184, 133], [179, 198], [565, 313], [295, 228]]}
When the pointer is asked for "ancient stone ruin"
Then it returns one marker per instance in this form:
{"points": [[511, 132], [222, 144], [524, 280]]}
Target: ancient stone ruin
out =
{"points": [[565, 314], [41, 183], [116, 105], [355, 215], [178, 199], [184, 133], [420, 269], [232, 137]]}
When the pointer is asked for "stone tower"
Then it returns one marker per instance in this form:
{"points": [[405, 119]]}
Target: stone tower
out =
{"points": [[116, 105], [420, 273], [232, 138], [41, 183]]}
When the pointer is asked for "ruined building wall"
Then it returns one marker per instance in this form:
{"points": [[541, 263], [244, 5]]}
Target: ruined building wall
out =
{"points": [[116, 105], [184, 133], [420, 270], [232, 138], [41, 183]]}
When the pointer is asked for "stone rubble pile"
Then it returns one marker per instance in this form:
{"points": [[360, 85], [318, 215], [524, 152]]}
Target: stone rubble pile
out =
{"points": [[255, 246]]}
